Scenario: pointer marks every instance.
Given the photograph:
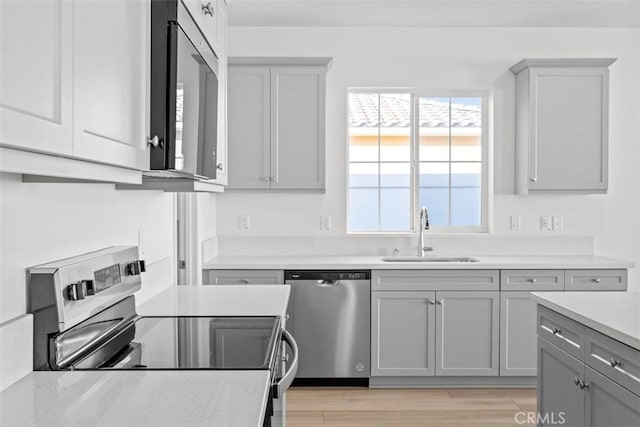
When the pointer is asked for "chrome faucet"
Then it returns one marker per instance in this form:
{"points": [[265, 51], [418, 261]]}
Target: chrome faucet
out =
{"points": [[424, 225]]}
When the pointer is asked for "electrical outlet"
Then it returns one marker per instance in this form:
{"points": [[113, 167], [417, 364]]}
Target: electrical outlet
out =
{"points": [[141, 243], [244, 222], [545, 223], [515, 222], [557, 223], [325, 222]]}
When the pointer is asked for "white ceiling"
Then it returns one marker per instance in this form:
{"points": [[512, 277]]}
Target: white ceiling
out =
{"points": [[435, 13]]}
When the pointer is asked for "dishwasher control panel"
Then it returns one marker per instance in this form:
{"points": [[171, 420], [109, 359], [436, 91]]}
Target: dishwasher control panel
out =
{"points": [[327, 275]]}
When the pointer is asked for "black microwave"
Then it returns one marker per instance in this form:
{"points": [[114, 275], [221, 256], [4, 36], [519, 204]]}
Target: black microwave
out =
{"points": [[184, 95]]}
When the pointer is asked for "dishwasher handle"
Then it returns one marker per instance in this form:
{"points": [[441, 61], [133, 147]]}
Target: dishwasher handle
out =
{"points": [[285, 382], [327, 283]]}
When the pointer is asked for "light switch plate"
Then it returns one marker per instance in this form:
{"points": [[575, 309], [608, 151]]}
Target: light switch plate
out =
{"points": [[515, 222], [325, 222], [244, 222], [545, 223], [557, 223]]}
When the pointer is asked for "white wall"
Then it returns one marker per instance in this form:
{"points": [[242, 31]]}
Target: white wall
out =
{"points": [[455, 58], [45, 222]]}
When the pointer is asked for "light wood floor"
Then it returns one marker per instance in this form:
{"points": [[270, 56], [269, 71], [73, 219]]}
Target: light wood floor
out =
{"points": [[450, 407]]}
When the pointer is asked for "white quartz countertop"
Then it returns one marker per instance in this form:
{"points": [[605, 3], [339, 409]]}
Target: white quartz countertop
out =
{"points": [[616, 314], [374, 262], [139, 398], [228, 300]]}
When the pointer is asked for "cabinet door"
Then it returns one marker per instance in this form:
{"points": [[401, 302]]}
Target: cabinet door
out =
{"points": [[568, 141], [402, 333], [467, 333], [249, 127], [297, 131], [558, 395], [111, 79], [222, 175], [36, 75], [517, 334], [609, 404]]}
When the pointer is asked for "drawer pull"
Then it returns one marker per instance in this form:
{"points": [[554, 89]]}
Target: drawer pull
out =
{"points": [[596, 280], [556, 331], [531, 280], [576, 381], [245, 281], [615, 363]]}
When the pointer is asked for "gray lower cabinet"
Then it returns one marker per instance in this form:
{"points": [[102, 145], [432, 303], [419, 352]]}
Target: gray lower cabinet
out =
{"points": [[570, 392], [517, 334], [467, 324], [402, 333], [559, 394], [244, 277], [608, 404], [425, 333]]}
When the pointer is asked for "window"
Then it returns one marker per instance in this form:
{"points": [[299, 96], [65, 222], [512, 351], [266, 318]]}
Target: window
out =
{"points": [[408, 150]]}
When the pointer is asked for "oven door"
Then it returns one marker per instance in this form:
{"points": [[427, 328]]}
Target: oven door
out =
{"points": [[287, 369]]}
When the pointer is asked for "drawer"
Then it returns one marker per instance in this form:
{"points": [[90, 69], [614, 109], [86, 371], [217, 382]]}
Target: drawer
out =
{"points": [[561, 331], [532, 280], [595, 280], [245, 277], [613, 359], [432, 280]]}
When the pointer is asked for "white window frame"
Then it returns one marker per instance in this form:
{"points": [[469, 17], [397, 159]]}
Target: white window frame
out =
{"points": [[414, 219]]}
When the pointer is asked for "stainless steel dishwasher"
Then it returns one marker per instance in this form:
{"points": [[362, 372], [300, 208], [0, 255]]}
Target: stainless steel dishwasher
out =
{"points": [[329, 314]]}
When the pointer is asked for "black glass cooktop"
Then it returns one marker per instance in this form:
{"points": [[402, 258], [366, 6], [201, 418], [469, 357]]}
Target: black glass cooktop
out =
{"points": [[190, 343]]}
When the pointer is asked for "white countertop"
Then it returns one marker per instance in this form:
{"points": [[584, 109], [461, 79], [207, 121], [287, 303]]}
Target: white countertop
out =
{"points": [[374, 262], [155, 398], [616, 314], [228, 300], [139, 398]]}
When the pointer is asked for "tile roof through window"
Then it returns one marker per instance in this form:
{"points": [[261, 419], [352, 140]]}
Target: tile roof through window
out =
{"points": [[395, 112]]}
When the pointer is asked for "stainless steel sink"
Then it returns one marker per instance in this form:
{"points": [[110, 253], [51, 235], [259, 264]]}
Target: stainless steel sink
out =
{"points": [[416, 258]]}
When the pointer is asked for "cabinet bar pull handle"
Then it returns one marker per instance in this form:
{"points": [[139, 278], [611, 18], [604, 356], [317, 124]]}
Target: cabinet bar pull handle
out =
{"points": [[576, 381], [583, 385], [556, 331], [432, 302], [440, 302], [207, 9], [615, 363]]}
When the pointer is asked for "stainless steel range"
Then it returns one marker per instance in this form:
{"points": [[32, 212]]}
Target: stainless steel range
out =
{"points": [[85, 319]]}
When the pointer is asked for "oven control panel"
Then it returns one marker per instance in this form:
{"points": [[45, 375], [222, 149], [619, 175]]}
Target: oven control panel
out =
{"points": [[103, 279]]}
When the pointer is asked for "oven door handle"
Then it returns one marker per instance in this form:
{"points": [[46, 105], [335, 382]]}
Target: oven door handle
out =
{"points": [[285, 382]]}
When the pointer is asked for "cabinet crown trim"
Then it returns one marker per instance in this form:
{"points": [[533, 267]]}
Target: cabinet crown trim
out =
{"points": [[561, 62], [281, 61]]}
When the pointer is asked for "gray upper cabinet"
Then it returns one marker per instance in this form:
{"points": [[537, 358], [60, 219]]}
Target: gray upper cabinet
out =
{"points": [[249, 126], [467, 333], [276, 123], [562, 125]]}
